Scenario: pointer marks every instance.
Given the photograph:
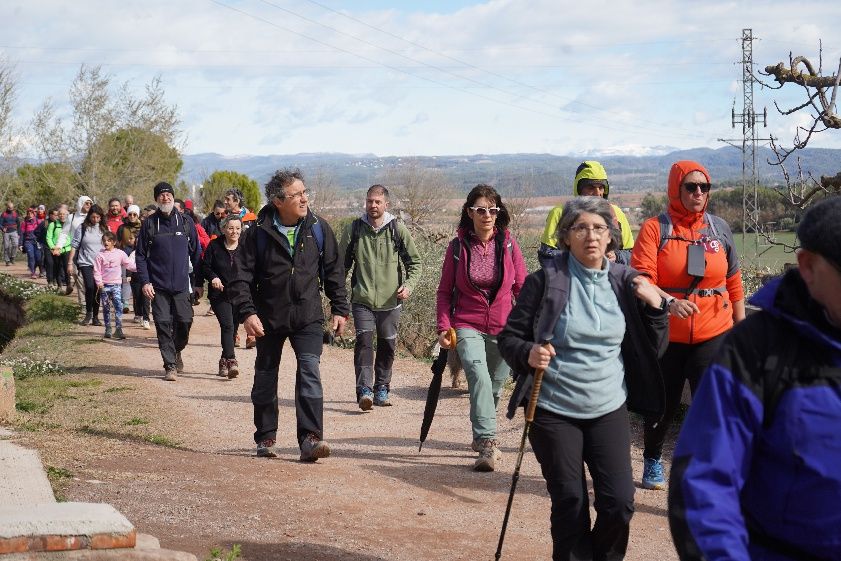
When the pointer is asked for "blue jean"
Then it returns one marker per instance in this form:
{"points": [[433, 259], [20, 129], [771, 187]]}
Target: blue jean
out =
{"points": [[33, 255], [112, 294], [486, 373]]}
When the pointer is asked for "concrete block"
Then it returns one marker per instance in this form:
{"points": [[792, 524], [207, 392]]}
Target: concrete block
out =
{"points": [[23, 481], [64, 526], [7, 394], [103, 555]]}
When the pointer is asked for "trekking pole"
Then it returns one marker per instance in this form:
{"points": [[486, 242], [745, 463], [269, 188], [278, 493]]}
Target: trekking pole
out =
{"points": [[530, 408]]}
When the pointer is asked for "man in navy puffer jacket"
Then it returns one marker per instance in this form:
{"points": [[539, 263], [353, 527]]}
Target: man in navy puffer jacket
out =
{"points": [[168, 252], [756, 469]]}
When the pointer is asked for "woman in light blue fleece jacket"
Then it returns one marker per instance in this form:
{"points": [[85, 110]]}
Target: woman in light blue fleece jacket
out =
{"points": [[606, 325]]}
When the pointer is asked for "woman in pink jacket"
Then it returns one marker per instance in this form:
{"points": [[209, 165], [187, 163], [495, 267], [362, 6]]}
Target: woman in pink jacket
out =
{"points": [[483, 272]]}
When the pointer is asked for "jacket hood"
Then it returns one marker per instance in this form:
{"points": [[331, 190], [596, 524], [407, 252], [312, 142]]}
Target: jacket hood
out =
{"points": [[788, 298], [387, 217], [678, 172], [81, 202], [590, 170]]}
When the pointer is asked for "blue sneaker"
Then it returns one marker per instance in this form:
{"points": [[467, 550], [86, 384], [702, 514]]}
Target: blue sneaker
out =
{"points": [[365, 399], [381, 397], [652, 474]]}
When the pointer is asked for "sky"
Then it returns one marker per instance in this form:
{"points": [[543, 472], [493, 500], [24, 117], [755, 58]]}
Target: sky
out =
{"points": [[431, 77]]}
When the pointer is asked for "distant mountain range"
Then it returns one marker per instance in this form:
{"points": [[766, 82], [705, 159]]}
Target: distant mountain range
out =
{"points": [[546, 173]]}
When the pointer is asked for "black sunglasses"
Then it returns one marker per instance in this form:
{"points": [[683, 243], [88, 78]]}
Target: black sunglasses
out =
{"points": [[691, 187]]}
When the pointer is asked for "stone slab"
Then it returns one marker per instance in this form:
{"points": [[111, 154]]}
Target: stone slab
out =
{"points": [[103, 555], [64, 526], [23, 481], [7, 395]]}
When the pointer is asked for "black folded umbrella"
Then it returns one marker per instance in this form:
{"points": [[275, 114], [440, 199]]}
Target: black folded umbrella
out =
{"points": [[434, 389]]}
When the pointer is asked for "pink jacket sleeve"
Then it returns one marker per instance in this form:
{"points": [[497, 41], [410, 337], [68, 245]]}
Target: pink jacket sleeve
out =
{"points": [[97, 269], [445, 291], [520, 270]]}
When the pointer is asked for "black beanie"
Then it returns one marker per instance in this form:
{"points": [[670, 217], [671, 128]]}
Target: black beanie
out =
{"points": [[820, 229], [163, 187]]}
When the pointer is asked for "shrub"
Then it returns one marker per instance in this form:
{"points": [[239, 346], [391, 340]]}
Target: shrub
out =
{"points": [[45, 306]]}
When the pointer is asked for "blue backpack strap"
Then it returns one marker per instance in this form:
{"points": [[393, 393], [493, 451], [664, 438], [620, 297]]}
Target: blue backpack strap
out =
{"points": [[318, 234]]}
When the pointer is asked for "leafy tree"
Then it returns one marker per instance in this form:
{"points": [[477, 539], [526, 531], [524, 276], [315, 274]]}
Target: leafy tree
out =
{"points": [[218, 182], [49, 184], [9, 145], [652, 205]]}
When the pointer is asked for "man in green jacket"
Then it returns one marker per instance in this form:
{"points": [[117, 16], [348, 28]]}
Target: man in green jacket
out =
{"points": [[59, 253], [374, 247]]}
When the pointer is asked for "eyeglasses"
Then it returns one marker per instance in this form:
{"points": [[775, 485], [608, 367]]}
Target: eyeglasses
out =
{"points": [[299, 195], [484, 211], [580, 231], [691, 187], [219, 214]]}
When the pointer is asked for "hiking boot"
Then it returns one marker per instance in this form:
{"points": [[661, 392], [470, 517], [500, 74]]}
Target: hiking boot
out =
{"points": [[265, 449], [179, 364], [487, 456], [95, 321], [365, 399], [68, 289], [250, 342], [107, 331], [381, 396], [478, 445], [169, 374], [118, 333], [313, 448], [233, 368], [652, 474], [223, 368], [138, 319], [87, 320], [146, 324]]}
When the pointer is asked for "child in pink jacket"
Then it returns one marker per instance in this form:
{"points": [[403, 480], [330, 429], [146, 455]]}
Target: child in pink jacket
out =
{"points": [[107, 273]]}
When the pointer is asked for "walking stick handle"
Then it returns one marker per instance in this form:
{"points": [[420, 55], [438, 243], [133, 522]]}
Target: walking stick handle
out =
{"points": [[535, 389]]}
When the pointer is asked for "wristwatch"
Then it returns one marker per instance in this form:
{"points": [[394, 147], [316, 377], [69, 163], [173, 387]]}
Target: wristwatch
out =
{"points": [[664, 305]]}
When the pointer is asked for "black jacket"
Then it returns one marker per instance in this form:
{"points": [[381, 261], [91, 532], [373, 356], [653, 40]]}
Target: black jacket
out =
{"points": [[284, 291], [541, 302], [217, 261], [165, 254]]}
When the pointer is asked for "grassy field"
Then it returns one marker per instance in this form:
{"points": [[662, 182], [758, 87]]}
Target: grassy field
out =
{"points": [[771, 257]]}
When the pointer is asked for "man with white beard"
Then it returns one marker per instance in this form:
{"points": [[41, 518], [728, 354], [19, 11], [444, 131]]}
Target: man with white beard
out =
{"points": [[167, 247]]}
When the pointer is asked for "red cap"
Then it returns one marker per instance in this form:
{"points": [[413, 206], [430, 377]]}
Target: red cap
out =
{"points": [[188, 204]]}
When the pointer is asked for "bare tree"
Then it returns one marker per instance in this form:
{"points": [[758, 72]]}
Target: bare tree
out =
{"points": [[327, 202], [115, 140], [419, 193], [9, 141], [518, 206]]}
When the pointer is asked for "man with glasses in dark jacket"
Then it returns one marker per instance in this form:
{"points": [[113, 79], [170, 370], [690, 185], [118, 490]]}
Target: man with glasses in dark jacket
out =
{"points": [[281, 264]]}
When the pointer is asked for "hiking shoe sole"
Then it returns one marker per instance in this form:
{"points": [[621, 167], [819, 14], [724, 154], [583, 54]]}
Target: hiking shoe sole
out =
{"points": [[653, 486], [366, 402], [266, 453]]}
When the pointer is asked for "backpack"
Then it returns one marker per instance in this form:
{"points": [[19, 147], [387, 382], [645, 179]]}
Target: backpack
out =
{"points": [[40, 233], [152, 226], [715, 226], [396, 240], [317, 232]]}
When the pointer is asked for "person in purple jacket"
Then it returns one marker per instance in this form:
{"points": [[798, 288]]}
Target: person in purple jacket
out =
{"points": [[483, 273]]}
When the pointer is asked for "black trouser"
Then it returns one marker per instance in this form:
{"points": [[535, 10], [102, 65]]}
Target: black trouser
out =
{"points": [[138, 299], [227, 326], [60, 269], [91, 301], [49, 266], [562, 446], [173, 318], [309, 397], [680, 362]]}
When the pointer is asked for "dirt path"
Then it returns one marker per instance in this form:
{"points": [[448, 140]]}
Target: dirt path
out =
{"points": [[375, 498]]}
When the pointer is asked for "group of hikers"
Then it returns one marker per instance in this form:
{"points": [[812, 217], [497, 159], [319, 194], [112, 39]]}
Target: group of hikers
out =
{"points": [[614, 325]]}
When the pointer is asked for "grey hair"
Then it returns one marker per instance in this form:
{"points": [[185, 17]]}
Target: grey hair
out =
{"points": [[228, 219], [594, 205]]}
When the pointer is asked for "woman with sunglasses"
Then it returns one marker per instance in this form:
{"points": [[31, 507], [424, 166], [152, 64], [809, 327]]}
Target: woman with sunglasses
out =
{"points": [[690, 255], [482, 274], [596, 329]]}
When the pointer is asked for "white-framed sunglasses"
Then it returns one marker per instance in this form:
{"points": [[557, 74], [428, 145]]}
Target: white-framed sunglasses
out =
{"points": [[483, 210]]}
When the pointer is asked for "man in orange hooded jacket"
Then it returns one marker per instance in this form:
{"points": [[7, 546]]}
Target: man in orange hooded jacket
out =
{"points": [[685, 239]]}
